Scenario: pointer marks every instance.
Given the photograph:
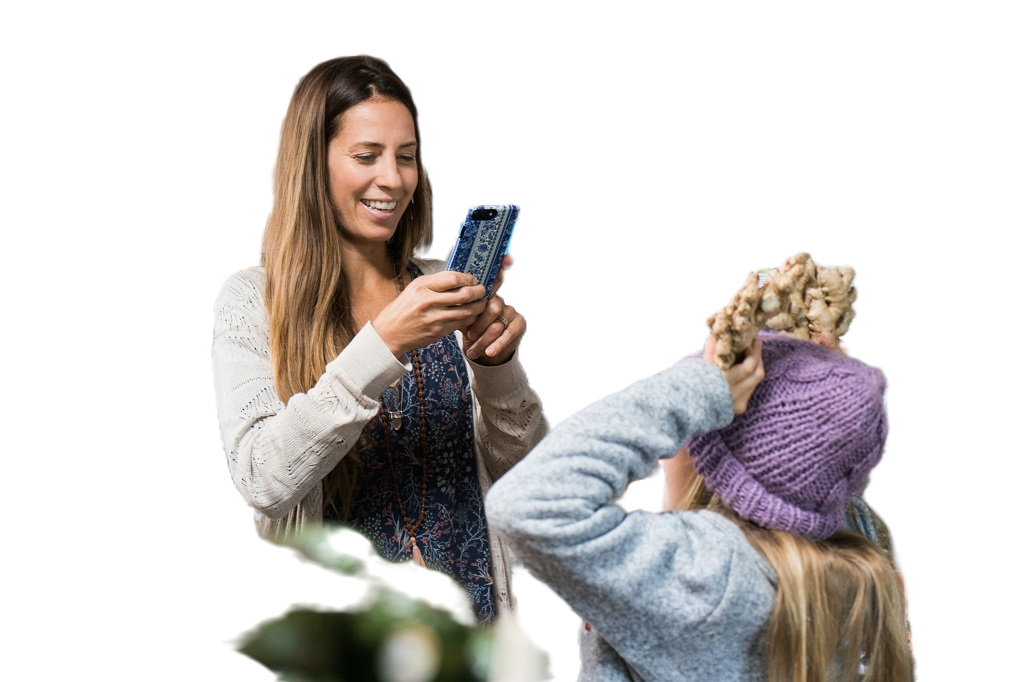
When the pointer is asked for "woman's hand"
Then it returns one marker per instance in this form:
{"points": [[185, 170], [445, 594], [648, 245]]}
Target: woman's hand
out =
{"points": [[494, 336], [430, 307], [744, 377]]}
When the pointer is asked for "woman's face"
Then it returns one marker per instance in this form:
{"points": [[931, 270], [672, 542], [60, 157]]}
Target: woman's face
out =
{"points": [[372, 166]]}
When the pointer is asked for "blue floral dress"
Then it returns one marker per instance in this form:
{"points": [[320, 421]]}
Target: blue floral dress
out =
{"points": [[453, 536]]}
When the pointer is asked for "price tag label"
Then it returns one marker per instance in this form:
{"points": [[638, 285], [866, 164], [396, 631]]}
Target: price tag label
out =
{"points": [[17, 496], [882, 158], [132, 421], [889, 8], [159, 314], [686, 162], [75, 304], [181, 316], [203, 320], [59, 115], [763, 16], [639, 28], [763, 161], [138, 311], [863, 330], [578, 313], [128, 199], [595, 164], [81, 411], [56, 302], [631, 315]]}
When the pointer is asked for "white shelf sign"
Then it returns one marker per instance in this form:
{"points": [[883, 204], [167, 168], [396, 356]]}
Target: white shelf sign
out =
{"points": [[763, 16], [882, 158], [763, 161], [686, 162]]}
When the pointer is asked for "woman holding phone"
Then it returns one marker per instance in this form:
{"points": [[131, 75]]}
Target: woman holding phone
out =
{"points": [[355, 382]]}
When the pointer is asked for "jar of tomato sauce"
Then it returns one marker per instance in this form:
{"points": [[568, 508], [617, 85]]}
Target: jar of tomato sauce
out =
{"points": [[150, 352], [196, 358], [124, 370], [78, 361], [35, 355], [15, 351], [172, 377], [99, 366], [210, 411], [57, 358]]}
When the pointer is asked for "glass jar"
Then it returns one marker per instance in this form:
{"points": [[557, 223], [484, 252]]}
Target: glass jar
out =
{"points": [[116, 250], [196, 358], [78, 361], [93, 268], [35, 355], [210, 412], [99, 366], [150, 353], [124, 370], [72, 266], [37, 257], [57, 358], [172, 377], [17, 269], [15, 351]]}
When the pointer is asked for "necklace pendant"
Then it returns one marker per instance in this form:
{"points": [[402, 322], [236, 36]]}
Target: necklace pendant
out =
{"points": [[417, 557], [395, 419]]}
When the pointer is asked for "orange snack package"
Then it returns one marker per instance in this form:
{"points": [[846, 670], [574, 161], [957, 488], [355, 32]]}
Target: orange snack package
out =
{"points": [[608, 100], [669, 89], [553, 100]]}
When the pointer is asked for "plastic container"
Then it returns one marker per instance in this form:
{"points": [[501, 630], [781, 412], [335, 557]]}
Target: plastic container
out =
{"points": [[196, 359]]}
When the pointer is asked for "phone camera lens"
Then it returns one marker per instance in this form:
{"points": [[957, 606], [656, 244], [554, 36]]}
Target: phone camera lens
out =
{"points": [[484, 213]]}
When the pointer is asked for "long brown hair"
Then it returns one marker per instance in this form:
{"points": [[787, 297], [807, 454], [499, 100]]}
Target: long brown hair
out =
{"points": [[307, 292], [838, 608]]}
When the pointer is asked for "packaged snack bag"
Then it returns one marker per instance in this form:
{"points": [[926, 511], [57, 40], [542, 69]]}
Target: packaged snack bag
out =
{"points": [[553, 100], [828, 68], [745, 87], [488, 102], [608, 97], [669, 91]]}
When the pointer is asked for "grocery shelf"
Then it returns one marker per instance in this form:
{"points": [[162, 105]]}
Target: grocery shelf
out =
{"points": [[195, 201], [101, 307], [678, 24], [925, 156], [864, 330], [927, 508], [186, 112], [133, 421]]}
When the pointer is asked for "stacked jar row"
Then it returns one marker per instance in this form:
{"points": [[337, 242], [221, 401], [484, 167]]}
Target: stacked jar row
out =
{"points": [[146, 371]]}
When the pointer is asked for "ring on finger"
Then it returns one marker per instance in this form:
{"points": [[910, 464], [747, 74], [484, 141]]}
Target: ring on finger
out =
{"points": [[504, 322]]}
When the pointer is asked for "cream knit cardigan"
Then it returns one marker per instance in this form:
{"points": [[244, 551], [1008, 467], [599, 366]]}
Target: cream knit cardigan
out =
{"points": [[278, 455]]}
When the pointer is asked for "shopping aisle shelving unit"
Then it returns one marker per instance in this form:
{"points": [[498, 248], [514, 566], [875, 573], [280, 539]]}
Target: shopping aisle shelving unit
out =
{"points": [[960, 155]]}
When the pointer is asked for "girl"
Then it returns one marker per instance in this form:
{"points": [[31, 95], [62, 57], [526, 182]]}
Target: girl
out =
{"points": [[752, 578], [344, 392]]}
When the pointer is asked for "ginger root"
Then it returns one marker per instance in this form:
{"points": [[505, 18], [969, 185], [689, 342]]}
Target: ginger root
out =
{"points": [[799, 298]]}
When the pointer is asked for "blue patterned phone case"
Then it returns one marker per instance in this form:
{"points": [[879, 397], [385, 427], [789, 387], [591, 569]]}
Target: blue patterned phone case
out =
{"points": [[483, 241]]}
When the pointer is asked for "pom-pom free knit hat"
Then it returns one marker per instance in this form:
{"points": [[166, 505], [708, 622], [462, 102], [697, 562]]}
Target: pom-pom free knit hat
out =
{"points": [[813, 430]]}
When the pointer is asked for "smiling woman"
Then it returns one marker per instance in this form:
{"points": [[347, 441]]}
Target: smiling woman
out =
{"points": [[344, 386]]}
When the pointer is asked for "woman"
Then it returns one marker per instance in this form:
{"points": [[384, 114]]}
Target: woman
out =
{"points": [[342, 387]]}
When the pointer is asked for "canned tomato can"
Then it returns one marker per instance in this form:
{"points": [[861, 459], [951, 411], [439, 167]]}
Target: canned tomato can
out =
{"points": [[632, 266], [928, 596], [686, 216], [582, 269]]}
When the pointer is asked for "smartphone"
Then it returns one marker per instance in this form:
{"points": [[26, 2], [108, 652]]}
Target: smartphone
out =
{"points": [[483, 241]]}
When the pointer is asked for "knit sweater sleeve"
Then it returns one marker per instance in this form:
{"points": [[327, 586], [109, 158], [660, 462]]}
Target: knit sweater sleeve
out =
{"points": [[277, 453]]}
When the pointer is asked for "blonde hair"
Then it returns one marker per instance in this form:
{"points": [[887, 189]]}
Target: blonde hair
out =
{"points": [[307, 292], [838, 612]]}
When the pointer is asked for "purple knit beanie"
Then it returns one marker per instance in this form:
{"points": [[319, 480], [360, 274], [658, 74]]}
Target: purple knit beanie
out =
{"points": [[813, 430]]}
